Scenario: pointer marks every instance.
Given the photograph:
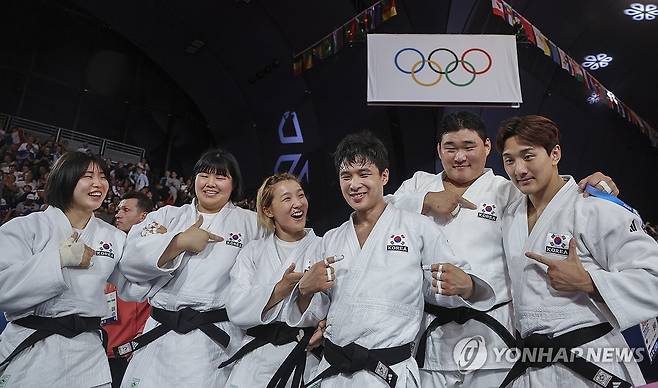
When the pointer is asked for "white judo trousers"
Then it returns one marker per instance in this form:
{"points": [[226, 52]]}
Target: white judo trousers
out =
{"points": [[199, 281], [257, 270], [32, 282], [377, 301], [476, 236], [621, 260]]}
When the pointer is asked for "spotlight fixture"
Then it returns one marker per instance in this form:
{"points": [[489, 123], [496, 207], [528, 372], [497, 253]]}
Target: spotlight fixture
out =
{"points": [[594, 62], [642, 12], [594, 98]]}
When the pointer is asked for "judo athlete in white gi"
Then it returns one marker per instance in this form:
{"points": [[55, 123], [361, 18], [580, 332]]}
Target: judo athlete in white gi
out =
{"points": [[53, 269], [376, 292], [581, 269], [263, 277], [188, 252], [476, 198]]}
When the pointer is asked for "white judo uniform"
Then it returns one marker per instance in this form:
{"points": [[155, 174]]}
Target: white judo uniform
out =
{"points": [[377, 301], [258, 268], [32, 282], [476, 236], [199, 281], [622, 261]]}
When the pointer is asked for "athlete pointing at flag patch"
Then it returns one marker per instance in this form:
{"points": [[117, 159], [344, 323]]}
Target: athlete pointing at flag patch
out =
{"points": [[468, 201], [579, 273], [376, 291]]}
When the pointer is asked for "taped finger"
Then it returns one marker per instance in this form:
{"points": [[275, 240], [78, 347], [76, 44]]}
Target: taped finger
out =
{"points": [[604, 185]]}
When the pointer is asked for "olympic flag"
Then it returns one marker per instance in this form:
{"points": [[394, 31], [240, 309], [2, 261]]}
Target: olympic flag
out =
{"points": [[441, 69]]}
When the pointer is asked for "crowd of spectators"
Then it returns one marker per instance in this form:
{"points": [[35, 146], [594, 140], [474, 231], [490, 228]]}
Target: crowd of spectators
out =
{"points": [[25, 162]]}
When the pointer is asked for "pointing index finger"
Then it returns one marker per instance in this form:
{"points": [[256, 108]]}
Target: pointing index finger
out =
{"points": [[541, 259], [467, 204], [214, 238]]}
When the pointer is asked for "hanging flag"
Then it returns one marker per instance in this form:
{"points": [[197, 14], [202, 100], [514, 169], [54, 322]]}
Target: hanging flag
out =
{"points": [[308, 59], [578, 72], [377, 18], [597, 87], [297, 65], [564, 62], [527, 28], [350, 31], [497, 8], [388, 9], [326, 47], [555, 55], [588, 81], [337, 37], [371, 19], [509, 13], [361, 26], [542, 42], [621, 109]]}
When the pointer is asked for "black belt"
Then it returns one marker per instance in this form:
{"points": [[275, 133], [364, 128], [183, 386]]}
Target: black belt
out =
{"points": [[68, 326], [353, 358], [460, 315], [182, 322], [536, 343], [278, 333]]}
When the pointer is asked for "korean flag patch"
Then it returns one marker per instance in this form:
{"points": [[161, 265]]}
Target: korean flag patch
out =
{"points": [[558, 243]]}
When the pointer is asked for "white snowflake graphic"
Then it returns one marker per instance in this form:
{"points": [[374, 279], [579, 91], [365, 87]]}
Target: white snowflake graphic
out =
{"points": [[642, 12], [593, 98], [594, 62]]}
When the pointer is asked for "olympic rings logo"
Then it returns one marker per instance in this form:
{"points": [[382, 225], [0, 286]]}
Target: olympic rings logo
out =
{"points": [[436, 67]]}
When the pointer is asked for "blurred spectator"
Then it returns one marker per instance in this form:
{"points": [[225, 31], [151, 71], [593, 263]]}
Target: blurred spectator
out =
{"points": [[27, 206], [141, 179], [130, 317]]}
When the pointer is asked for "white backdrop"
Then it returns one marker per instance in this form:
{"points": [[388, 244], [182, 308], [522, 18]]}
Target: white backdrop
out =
{"points": [[443, 69]]}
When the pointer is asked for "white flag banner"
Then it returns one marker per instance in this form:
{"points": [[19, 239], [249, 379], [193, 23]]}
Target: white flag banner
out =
{"points": [[443, 69]]}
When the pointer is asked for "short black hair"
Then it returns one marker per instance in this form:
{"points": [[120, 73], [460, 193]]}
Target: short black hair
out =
{"points": [[361, 148], [143, 201], [531, 129], [221, 162], [456, 121], [66, 173]]}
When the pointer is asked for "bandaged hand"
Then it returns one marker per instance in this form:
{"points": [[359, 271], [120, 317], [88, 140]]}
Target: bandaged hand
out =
{"points": [[449, 280], [75, 254], [567, 275], [320, 277], [445, 204], [194, 239]]}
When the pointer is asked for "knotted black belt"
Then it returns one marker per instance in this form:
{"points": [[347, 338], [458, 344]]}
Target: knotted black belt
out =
{"points": [[279, 333], [68, 326], [353, 358], [543, 344], [182, 322], [460, 315]]}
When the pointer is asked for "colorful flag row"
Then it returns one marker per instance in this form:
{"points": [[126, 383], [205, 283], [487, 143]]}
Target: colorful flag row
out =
{"points": [[592, 85], [353, 30]]}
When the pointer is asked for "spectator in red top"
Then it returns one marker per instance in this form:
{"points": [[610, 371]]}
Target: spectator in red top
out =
{"points": [[131, 316]]}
